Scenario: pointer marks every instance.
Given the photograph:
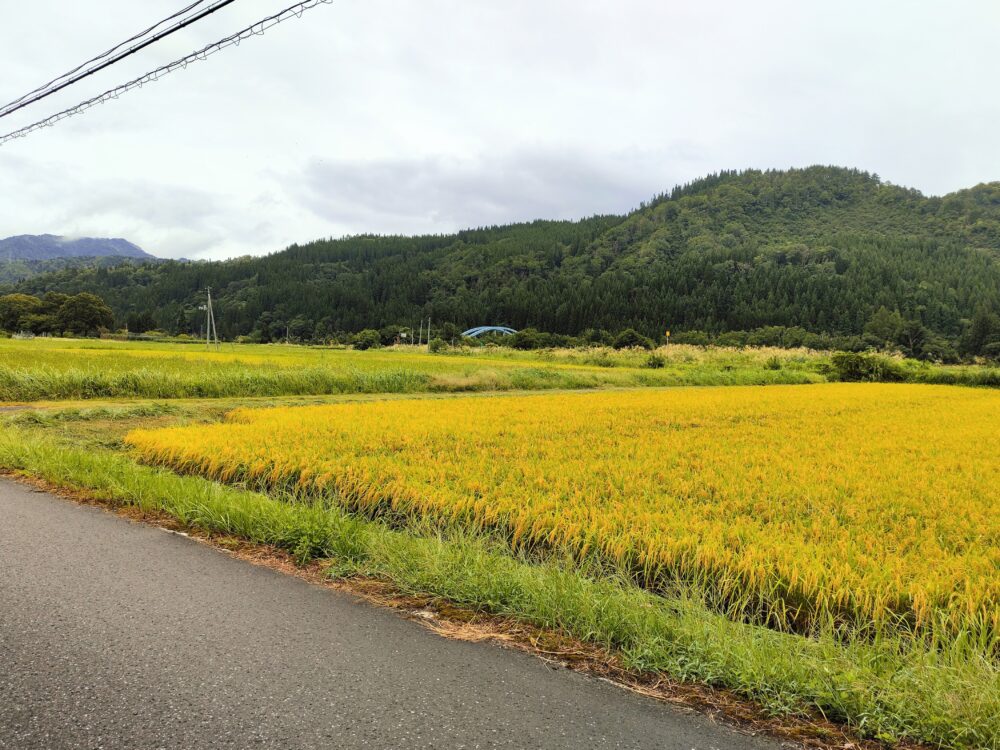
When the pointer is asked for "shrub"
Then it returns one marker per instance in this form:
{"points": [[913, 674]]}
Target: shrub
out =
{"points": [[866, 366], [655, 362], [367, 339], [601, 359], [938, 349], [632, 339], [529, 338], [695, 338], [735, 339], [436, 345]]}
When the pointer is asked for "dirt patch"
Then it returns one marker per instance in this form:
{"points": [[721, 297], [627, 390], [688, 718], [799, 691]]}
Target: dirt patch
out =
{"points": [[556, 649]]}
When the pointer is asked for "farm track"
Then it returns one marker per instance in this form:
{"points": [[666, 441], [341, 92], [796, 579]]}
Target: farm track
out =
{"points": [[118, 635]]}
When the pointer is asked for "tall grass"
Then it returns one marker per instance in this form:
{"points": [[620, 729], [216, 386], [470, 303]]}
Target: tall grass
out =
{"points": [[55, 369], [892, 687], [875, 368], [18, 384]]}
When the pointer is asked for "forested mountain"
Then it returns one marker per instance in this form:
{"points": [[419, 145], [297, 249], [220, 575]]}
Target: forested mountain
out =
{"points": [[28, 255], [49, 246], [822, 249]]}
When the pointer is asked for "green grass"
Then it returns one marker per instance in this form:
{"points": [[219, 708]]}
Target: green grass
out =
{"points": [[889, 688], [82, 369], [63, 369], [873, 367], [49, 418]]}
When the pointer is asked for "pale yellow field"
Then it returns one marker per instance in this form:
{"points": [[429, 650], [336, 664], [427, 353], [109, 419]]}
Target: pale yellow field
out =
{"points": [[867, 500]]}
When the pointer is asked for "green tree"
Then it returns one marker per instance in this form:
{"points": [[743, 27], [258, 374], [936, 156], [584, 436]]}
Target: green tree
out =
{"points": [[937, 349], [912, 338], [449, 332], [52, 301], [301, 328], [391, 334], [884, 329], [140, 322], [85, 314], [983, 331], [15, 308], [40, 323]]}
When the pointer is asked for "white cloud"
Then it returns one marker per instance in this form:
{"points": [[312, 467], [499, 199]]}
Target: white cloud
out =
{"points": [[399, 116]]}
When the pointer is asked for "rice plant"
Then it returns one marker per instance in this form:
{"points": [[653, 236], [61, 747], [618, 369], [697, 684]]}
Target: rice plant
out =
{"points": [[870, 505]]}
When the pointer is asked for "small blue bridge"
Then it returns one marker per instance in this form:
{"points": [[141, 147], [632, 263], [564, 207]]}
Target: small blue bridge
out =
{"points": [[478, 331]]}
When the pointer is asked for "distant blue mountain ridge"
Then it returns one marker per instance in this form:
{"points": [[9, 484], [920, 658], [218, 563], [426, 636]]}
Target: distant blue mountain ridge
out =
{"points": [[50, 247]]}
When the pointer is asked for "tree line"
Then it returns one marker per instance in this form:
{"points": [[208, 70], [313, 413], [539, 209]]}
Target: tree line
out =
{"points": [[823, 255], [55, 313]]}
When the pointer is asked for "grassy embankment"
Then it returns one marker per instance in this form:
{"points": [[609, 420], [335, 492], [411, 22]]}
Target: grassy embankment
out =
{"points": [[68, 369], [64, 369]]}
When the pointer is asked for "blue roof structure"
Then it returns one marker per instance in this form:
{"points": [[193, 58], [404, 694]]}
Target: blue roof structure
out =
{"points": [[480, 330]]}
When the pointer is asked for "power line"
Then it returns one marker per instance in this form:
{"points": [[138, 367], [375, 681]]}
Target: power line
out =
{"points": [[254, 29], [105, 54], [184, 23]]}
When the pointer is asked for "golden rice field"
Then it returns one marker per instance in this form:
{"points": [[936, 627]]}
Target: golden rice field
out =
{"points": [[872, 500]]}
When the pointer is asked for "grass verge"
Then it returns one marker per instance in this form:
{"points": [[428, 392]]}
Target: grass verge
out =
{"points": [[891, 689], [20, 383]]}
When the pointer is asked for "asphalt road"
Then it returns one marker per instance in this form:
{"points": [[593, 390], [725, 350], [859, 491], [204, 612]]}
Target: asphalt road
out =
{"points": [[119, 635]]}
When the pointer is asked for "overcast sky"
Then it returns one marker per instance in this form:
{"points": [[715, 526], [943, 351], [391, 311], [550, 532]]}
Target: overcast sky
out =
{"points": [[425, 116]]}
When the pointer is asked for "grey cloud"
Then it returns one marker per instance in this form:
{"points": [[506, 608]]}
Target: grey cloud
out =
{"points": [[150, 203], [167, 220], [445, 193]]}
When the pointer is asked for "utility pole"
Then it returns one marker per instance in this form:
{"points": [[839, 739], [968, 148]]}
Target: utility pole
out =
{"points": [[210, 329]]}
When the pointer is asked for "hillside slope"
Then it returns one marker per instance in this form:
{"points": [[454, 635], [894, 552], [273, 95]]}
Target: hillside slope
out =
{"points": [[821, 248], [17, 271]]}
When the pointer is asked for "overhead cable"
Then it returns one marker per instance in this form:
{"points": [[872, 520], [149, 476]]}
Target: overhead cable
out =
{"points": [[84, 71], [105, 54], [233, 40]]}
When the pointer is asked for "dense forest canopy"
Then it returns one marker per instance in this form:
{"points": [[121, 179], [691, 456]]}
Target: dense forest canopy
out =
{"points": [[82, 314], [14, 270], [826, 250]]}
